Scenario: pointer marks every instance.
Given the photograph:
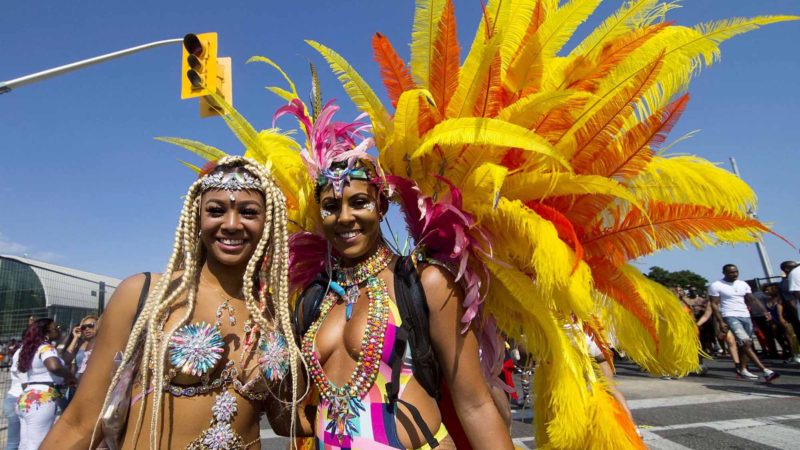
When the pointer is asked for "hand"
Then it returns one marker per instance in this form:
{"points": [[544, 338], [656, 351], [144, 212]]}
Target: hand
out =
{"points": [[71, 380], [76, 332]]}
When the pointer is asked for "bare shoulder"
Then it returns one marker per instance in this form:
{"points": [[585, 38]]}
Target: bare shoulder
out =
{"points": [[439, 284], [125, 300]]}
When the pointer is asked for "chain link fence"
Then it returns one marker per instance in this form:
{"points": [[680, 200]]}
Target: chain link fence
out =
{"points": [[5, 383]]}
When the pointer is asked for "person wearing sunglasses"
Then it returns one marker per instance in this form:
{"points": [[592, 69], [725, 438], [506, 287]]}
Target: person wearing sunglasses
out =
{"points": [[81, 344]]}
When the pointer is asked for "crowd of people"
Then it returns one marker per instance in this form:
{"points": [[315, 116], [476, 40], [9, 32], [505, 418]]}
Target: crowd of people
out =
{"points": [[733, 316], [44, 371]]}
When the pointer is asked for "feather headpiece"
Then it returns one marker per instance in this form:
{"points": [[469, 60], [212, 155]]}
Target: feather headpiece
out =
{"points": [[335, 152]]}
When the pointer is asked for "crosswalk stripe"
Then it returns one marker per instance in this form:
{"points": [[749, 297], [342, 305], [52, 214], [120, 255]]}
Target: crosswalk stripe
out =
{"points": [[656, 442], [683, 400], [778, 436], [698, 399], [518, 444], [730, 425]]}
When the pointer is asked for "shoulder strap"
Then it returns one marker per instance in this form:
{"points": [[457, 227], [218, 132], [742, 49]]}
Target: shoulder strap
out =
{"points": [[309, 304], [142, 297], [413, 308]]}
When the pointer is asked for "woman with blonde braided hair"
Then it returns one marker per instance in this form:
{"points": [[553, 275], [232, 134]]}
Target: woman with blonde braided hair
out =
{"points": [[211, 337]]}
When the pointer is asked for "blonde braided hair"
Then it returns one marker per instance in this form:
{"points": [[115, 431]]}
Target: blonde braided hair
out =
{"points": [[188, 255]]}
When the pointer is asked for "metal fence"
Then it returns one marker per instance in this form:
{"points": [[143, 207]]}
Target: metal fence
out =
{"points": [[5, 383]]}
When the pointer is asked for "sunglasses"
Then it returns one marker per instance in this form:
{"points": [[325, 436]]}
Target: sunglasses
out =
{"points": [[87, 326]]}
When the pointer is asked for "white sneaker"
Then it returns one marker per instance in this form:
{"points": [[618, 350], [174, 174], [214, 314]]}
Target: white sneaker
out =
{"points": [[744, 373], [770, 375], [795, 359]]}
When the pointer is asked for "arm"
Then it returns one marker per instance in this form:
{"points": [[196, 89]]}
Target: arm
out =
{"points": [[706, 315], [74, 429], [723, 327], [278, 408], [458, 356], [55, 367], [68, 355], [781, 319]]}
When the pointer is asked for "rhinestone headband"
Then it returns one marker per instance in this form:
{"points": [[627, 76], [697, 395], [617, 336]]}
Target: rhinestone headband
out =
{"points": [[231, 181]]}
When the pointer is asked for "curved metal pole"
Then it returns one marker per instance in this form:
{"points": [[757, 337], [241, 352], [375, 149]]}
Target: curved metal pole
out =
{"points": [[762, 250], [7, 86]]}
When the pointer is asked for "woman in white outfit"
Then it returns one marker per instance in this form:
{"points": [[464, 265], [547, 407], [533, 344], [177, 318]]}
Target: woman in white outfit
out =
{"points": [[41, 372]]}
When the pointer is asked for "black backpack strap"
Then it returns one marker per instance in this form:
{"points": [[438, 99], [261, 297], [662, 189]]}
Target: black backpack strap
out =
{"points": [[400, 343], [142, 297], [430, 439], [309, 304], [413, 308]]}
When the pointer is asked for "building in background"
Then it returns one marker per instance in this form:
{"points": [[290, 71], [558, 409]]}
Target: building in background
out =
{"points": [[39, 289]]}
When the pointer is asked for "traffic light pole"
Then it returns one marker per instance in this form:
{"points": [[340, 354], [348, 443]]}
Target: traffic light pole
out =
{"points": [[8, 86], [762, 250]]}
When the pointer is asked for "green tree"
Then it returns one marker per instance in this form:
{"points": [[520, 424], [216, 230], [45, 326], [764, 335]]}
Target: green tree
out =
{"points": [[684, 278]]}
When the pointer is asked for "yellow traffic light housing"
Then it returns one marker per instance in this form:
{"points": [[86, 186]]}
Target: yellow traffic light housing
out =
{"points": [[199, 67], [208, 107]]}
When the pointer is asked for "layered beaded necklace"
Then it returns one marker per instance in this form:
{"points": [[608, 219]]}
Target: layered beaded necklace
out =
{"points": [[344, 403], [348, 278]]}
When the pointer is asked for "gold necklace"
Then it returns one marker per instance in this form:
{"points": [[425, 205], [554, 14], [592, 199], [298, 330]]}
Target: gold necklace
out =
{"points": [[224, 306]]}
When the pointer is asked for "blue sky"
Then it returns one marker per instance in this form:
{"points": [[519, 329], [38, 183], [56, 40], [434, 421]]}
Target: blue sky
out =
{"points": [[83, 183]]}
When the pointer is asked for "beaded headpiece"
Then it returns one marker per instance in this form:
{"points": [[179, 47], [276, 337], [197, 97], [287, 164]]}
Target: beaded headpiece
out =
{"points": [[230, 181]]}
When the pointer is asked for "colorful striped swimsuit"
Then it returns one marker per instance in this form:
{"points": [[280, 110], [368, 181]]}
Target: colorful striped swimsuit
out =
{"points": [[375, 426]]}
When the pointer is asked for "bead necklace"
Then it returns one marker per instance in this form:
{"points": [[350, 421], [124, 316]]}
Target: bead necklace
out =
{"points": [[348, 278], [344, 403]]}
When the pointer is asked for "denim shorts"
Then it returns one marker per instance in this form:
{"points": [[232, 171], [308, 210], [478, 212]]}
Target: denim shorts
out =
{"points": [[741, 327]]}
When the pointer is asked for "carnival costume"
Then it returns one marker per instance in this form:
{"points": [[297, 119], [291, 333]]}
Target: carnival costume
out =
{"points": [[537, 177], [186, 359]]}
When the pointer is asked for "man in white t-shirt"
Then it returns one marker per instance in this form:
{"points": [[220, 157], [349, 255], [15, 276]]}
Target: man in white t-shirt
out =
{"points": [[793, 283], [729, 297]]}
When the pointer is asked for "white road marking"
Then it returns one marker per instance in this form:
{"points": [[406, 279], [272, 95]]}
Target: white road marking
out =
{"points": [[656, 442], [729, 425], [773, 435], [519, 445], [665, 402]]}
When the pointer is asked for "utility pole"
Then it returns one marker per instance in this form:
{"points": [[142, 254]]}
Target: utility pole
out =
{"points": [[101, 298], [762, 250], [8, 86]]}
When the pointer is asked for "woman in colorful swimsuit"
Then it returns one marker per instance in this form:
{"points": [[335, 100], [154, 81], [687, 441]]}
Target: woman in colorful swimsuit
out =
{"points": [[348, 343], [196, 355]]}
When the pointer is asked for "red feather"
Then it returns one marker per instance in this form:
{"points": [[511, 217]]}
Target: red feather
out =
{"points": [[610, 281], [394, 73], [566, 232], [446, 59]]}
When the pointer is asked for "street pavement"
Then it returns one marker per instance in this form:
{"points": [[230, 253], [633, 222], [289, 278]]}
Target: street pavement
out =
{"points": [[715, 411]]}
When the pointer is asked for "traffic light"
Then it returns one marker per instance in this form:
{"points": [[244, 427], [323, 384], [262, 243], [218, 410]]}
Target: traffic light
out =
{"points": [[199, 68], [208, 106]]}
